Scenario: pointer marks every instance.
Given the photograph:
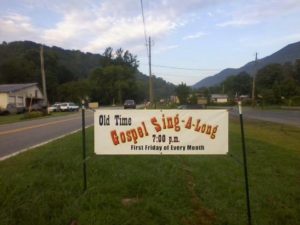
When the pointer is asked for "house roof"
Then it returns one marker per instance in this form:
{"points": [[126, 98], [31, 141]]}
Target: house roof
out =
{"points": [[6, 88]]}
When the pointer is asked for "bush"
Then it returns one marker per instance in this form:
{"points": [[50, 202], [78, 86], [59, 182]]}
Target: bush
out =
{"points": [[33, 114], [295, 101]]}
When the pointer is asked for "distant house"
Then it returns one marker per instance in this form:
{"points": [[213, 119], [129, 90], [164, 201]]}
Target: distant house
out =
{"points": [[218, 98], [20, 95], [201, 98], [174, 99]]}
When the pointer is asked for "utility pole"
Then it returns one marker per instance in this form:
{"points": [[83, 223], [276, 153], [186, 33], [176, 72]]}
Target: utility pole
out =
{"points": [[150, 74], [43, 77], [253, 83]]}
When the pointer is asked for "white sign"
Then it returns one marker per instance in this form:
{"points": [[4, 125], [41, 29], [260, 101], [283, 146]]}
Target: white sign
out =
{"points": [[153, 132]]}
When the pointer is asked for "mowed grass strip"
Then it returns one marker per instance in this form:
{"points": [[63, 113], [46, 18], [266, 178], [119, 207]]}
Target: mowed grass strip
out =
{"points": [[44, 186], [14, 118]]}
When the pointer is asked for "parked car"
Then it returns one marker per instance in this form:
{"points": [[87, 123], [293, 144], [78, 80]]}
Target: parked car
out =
{"points": [[68, 106], [129, 104], [37, 107], [55, 107]]}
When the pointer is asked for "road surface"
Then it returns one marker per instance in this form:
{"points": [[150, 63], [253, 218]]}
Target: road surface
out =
{"points": [[22, 136], [288, 117]]}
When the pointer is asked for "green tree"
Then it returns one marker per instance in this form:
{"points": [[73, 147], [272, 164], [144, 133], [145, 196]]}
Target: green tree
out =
{"points": [[269, 80], [239, 84], [18, 70], [74, 91], [267, 76], [116, 80], [297, 71], [182, 91]]}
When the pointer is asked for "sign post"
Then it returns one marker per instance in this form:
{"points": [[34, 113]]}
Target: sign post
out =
{"points": [[83, 146], [245, 165]]}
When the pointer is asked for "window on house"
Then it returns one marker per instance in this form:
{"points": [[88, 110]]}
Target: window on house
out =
{"points": [[20, 101], [12, 99]]}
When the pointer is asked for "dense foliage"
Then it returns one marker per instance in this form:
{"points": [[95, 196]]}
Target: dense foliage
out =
{"points": [[115, 81], [275, 84], [72, 75], [279, 83], [183, 91]]}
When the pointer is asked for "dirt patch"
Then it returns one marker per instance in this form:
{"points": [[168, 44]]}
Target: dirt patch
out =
{"points": [[201, 215], [130, 201], [73, 222]]}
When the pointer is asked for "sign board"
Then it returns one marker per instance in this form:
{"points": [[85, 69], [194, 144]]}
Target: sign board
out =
{"points": [[153, 132], [93, 105]]}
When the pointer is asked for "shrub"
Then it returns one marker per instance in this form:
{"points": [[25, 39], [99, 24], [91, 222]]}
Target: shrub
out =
{"points": [[295, 101], [33, 114]]}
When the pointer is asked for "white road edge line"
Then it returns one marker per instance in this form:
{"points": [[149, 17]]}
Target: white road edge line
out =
{"points": [[40, 144]]}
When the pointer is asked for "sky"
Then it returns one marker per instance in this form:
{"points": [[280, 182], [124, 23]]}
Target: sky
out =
{"points": [[191, 39]]}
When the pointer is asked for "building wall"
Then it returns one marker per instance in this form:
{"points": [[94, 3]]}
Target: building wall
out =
{"points": [[3, 100], [201, 100], [31, 92], [221, 100], [18, 98]]}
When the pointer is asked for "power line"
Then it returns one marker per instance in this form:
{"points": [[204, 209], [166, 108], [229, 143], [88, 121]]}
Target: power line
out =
{"points": [[148, 48], [175, 75], [144, 24], [185, 68]]}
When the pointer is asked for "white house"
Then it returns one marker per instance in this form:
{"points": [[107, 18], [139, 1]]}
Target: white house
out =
{"points": [[218, 98], [20, 95]]}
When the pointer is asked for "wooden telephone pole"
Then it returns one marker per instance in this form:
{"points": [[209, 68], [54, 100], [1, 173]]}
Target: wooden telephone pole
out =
{"points": [[150, 74], [253, 83], [43, 77]]}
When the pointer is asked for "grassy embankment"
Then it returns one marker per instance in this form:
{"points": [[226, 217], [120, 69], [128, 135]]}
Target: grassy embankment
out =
{"points": [[44, 186], [5, 119]]}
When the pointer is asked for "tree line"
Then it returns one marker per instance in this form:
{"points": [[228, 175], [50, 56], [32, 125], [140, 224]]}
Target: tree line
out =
{"points": [[274, 84], [72, 75]]}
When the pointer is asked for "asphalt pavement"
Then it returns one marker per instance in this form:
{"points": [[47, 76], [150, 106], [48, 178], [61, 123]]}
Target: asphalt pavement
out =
{"points": [[21, 136], [287, 117]]}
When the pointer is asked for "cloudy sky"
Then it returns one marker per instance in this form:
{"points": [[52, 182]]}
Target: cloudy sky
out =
{"points": [[202, 36]]}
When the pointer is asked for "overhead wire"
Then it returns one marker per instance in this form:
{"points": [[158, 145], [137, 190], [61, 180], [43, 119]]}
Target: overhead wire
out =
{"points": [[144, 24], [184, 68], [163, 66]]}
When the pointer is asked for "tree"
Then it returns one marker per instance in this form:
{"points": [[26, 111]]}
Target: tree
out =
{"points": [[239, 84], [297, 71], [116, 80], [74, 91], [182, 91], [268, 75], [269, 80]]}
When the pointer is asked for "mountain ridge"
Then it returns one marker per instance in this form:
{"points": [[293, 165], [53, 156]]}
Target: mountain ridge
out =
{"points": [[289, 53]]}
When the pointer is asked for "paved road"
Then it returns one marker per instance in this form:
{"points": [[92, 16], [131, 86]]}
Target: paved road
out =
{"points": [[288, 117], [21, 136], [24, 135]]}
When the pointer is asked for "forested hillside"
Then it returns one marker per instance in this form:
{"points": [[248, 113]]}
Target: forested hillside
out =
{"points": [[289, 53], [274, 84], [72, 75]]}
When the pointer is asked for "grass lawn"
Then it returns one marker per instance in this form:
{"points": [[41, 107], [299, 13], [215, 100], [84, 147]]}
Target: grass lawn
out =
{"points": [[4, 119], [44, 186]]}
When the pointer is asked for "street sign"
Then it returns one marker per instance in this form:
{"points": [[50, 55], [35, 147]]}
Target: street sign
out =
{"points": [[156, 132]]}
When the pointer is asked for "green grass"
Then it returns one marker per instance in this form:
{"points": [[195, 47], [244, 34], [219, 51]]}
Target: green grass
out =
{"points": [[44, 186], [5, 119]]}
